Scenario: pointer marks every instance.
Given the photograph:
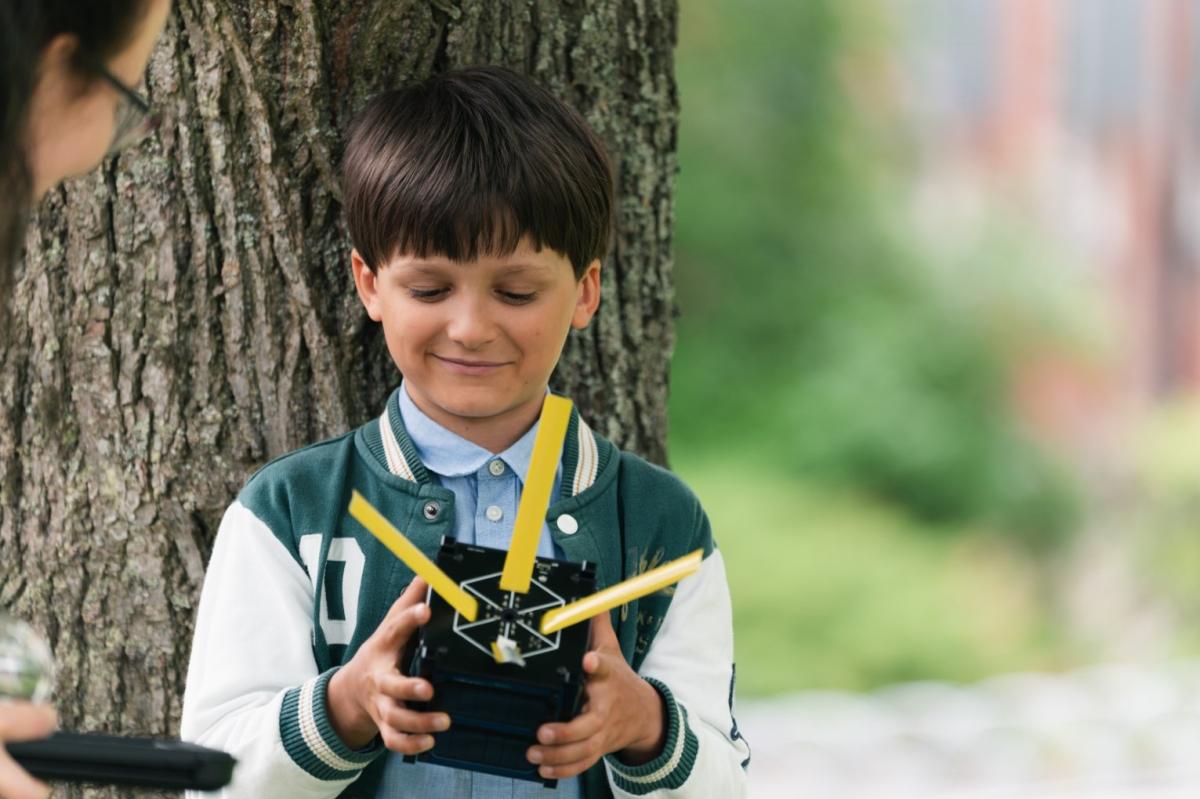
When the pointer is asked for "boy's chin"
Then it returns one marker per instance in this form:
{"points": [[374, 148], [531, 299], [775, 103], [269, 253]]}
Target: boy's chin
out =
{"points": [[486, 406]]}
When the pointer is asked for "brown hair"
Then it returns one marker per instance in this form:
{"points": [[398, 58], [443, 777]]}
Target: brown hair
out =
{"points": [[467, 163]]}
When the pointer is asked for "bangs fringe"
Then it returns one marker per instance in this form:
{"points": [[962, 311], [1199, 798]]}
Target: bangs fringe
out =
{"points": [[469, 163]]}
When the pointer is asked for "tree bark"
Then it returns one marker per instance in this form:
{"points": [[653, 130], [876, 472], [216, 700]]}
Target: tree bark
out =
{"points": [[185, 313]]}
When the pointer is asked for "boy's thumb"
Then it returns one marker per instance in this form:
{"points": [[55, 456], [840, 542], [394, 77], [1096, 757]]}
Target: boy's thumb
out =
{"points": [[603, 633], [401, 621]]}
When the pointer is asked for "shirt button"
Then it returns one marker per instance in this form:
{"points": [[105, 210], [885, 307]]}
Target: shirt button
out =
{"points": [[567, 524], [494, 513], [496, 467]]}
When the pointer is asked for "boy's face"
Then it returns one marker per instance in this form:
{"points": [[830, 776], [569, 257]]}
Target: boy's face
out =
{"points": [[476, 341]]}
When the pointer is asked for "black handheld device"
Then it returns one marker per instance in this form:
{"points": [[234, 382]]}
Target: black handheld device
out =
{"points": [[118, 760], [496, 708]]}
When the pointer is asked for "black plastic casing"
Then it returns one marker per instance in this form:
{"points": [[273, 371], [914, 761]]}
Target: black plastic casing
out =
{"points": [[104, 759], [495, 708]]}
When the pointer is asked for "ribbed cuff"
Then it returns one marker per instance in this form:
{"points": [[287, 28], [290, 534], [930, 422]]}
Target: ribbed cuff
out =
{"points": [[309, 737], [673, 766]]}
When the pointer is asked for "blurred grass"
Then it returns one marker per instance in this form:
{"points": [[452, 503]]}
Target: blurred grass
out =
{"points": [[832, 590], [1163, 511]]}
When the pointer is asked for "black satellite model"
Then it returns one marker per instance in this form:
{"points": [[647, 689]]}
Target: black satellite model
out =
{"points": [[499, 677], [503, 647]]}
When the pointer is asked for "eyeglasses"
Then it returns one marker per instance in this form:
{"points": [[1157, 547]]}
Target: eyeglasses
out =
{"points": [[135, 119]]}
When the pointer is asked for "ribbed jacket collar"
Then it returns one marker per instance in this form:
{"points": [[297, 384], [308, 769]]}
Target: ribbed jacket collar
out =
{"points": [[388, 441]]}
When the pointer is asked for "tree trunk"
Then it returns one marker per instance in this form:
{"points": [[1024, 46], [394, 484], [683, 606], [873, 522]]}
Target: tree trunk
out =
{"points": [[186, 313]]}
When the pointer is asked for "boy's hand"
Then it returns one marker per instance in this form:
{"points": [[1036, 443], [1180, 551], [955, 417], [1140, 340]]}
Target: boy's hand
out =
{"points": [[621, 713], [368, 695]]}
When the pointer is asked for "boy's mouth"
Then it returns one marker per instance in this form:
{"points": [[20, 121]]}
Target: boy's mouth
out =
{"points": [[470, 367]]}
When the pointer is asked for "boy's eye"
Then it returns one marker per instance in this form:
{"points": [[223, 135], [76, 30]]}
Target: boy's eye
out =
{"points": [[516, 297], [426, 294]]}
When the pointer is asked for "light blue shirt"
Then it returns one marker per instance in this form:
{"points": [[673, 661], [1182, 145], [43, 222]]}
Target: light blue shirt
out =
{"points": [[487, 489]]}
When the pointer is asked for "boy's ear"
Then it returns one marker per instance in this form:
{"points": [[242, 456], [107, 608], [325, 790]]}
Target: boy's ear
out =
{"points": [[365, 282], [589, 296]]}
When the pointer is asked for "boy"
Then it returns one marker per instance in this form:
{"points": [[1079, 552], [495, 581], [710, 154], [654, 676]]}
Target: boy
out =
{"points": [[479, 207]]}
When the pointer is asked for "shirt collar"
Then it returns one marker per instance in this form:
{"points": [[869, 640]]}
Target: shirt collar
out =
{"points": [[450, 455]]}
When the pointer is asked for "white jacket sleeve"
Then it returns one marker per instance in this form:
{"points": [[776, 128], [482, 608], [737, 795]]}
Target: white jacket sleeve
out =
{"points": [[690, 662], [253, 688]]}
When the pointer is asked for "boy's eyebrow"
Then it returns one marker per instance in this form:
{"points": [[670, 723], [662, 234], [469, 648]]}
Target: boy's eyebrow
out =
{"points": [[426, 268], [439, 268], [525, 267]]}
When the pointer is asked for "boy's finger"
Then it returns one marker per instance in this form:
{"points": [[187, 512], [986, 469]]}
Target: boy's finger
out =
{"points": [[580, 728], [397, 627], [405, 689], [404, 743], [397, 624], [567, 771], [15, 783], [562, 755], [410, 721], [413, 593], [25, 721]]}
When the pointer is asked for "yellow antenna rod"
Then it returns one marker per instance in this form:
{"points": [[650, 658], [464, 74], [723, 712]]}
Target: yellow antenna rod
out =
{"points": [[413, 558], [619, 594], [535, 498]]}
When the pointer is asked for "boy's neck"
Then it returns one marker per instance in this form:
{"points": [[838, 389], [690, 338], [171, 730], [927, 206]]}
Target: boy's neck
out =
{"points": [[494, 433]]}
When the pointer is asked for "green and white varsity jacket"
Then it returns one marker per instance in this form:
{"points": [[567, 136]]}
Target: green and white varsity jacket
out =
{"points": [[294, 587]]}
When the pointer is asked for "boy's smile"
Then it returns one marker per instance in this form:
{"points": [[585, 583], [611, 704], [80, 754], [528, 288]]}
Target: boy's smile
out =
{"points": [[477, 341], [468, 367]]}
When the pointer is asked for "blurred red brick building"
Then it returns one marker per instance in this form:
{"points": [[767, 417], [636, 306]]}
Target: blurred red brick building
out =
{"points": [[1091, 107]]}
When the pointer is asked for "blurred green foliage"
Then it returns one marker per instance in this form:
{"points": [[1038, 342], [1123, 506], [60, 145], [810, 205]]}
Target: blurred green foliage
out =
{"points": [[812, 335], [832, 590]]}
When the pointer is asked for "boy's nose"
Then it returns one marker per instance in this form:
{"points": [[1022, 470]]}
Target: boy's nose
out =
{"points": [[470, 327]]}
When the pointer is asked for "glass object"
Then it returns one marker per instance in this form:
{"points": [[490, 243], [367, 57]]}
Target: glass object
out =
{"points": [[26, 665]]}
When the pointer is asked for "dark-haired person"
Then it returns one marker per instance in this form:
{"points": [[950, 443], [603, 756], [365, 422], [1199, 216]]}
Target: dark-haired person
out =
{"points": [[479, 206], [68, 69]]}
